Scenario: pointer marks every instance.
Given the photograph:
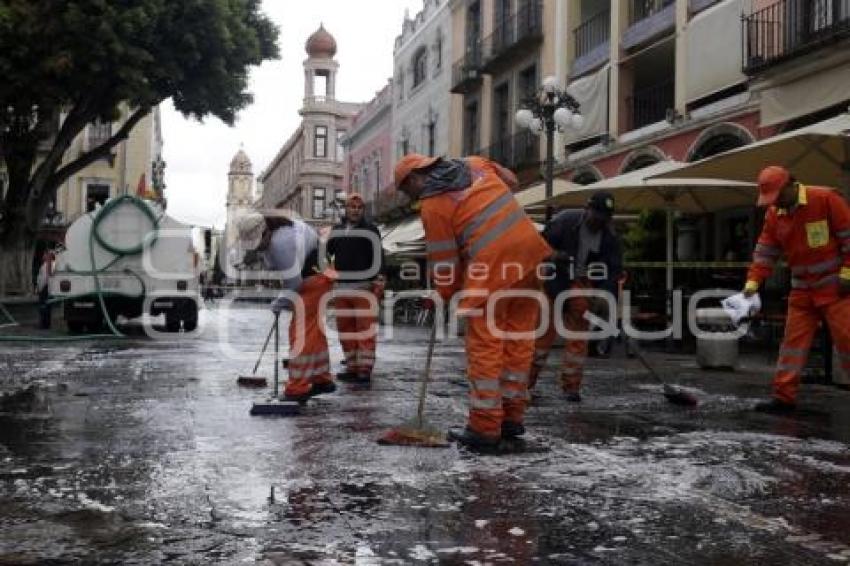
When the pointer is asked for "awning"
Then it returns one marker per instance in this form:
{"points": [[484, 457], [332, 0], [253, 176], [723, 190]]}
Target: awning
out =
{"points": [[404, 239], [535, 195], [591, 92], [642, 189], [805, 95], [818, 154], [712, 70]]}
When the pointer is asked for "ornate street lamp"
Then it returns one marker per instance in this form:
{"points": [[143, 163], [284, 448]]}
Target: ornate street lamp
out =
{"points": [[550, 110]]}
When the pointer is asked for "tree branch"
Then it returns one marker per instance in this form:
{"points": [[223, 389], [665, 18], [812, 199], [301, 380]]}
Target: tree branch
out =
{"points": [[101, 151]]}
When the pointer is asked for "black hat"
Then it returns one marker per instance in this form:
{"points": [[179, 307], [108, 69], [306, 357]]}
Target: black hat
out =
{"points": [[602, 202]]}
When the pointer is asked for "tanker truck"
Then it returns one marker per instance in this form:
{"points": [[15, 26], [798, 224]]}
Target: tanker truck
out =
{"points": [[127, 258]]}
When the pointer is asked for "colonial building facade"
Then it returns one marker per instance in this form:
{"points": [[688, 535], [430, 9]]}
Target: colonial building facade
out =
{"points": [[306, 175], [134, 167], [675, 80], [422, 78], [368, 150]]}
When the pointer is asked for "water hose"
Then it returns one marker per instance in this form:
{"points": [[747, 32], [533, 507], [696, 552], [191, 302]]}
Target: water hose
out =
{"points": [[95, 236]]}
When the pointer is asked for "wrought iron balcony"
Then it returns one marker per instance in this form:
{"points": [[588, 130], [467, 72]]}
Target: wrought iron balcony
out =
{"points": [[467, 71], [513, 33], [649, 105], [643, 9], [592, 33], [790, 28], [516, 151], [592, 43]]}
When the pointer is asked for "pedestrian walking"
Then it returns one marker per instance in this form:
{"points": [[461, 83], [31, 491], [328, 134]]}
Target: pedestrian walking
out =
{"points": [[290, 247], [354, 246], [588, 255], [480, 241], [42, 289], [810, 226]]}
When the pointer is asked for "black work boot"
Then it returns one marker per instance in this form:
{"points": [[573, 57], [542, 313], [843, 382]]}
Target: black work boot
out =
{"points": [[346, 376], [473, 440], [322, 387], [301, 399], [363, 378], [572, 396], [775, 407], [511, 429]]}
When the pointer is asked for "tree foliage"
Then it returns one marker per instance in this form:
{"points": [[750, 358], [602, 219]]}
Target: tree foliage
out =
{"points": [[83, 58]]}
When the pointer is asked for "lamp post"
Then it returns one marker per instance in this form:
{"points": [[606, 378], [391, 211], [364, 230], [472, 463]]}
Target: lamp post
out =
{"points": [[551, 109]]}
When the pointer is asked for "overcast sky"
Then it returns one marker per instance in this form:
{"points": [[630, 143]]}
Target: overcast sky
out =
{"points": [[198, 155]]}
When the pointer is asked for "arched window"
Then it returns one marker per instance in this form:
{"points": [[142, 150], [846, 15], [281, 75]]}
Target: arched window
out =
{"points": [[420, 66]]}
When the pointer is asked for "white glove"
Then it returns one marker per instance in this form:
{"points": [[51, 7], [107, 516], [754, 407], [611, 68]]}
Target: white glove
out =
{"points": [[739, 307]]}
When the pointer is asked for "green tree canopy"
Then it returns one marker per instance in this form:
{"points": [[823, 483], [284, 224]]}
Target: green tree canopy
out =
{"points": [[81, 59]]}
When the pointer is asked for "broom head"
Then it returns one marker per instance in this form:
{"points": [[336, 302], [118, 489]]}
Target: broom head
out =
{"points": [[251, 381], [413, 434], [680, 397]]}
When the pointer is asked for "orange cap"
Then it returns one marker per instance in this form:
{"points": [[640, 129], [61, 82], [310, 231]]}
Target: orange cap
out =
{"points": [[411, 162], [771, 180]]}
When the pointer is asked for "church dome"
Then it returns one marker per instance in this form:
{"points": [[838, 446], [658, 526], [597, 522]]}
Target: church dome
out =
{"points": [[321, 44], [240, 163]]}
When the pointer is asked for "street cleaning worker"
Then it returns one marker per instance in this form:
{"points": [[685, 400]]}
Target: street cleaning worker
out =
{"points": [[480, 241], [354, 246], [811, 227], [588, 255], [290, 247]]}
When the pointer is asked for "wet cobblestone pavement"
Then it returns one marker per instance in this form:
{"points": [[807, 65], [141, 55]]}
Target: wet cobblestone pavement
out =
{"points": [[142, 451]]}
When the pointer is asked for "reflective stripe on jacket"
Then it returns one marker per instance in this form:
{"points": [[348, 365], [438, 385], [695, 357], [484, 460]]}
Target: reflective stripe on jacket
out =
{"points": [[479, 238], [814, 236]]}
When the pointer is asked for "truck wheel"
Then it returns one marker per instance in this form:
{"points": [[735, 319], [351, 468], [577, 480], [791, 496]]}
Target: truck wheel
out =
{"points": [[172, 321], [75, 326], [190, 317]]}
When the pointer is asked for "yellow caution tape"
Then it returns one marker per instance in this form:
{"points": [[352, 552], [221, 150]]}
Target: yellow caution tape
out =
{"points": [[690, 264]]}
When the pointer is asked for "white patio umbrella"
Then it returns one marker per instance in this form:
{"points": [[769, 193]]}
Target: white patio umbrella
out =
{"points": [[405, 239], [818, 154], [642, 190]]}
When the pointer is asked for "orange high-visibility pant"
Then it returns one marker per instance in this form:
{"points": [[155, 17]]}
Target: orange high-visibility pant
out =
{"points": [[357, 333], [498, 365], [309, 361], [800, 327], [575, 350]]}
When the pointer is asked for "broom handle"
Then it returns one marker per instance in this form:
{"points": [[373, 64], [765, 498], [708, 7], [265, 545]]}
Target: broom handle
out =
{"points": [[263, 351], [652, 372], [426, 376]]}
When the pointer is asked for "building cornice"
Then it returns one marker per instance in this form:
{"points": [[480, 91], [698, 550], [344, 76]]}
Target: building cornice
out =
{"points": [[675, 130]]}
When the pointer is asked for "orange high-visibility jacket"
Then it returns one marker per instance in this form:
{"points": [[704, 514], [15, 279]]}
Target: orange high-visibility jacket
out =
{"points": [[479, 239], [815, 238]]}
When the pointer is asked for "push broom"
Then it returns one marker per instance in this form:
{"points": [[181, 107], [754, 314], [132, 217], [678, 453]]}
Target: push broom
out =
{"points": [[274, 406], [255, 380], [673, 394], [417, 432]]}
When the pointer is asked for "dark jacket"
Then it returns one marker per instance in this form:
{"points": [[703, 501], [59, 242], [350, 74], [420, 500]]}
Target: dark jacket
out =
{"points": [[353, 252], [562, 233]]}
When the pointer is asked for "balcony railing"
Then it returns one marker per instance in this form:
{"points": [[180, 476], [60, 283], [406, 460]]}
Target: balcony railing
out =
{"points": [[649, 105], [592, 33], [515, 151], [515, 30], [642, 9], [789, 28], [467, 70]]}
